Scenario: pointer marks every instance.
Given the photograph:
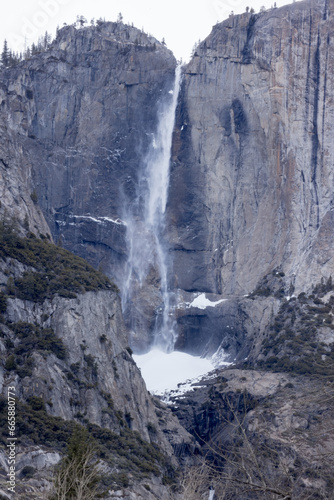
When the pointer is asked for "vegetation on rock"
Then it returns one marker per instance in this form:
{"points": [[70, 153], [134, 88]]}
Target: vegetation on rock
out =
{"points": [[252, 447], [294, 339], [130, 456], [53, 269], [30, 338]]}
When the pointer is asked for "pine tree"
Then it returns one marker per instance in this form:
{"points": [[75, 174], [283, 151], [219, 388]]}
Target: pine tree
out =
{"points": [[47, 40], [5, 55], [81, 20], [34, 49], [13, 58]]}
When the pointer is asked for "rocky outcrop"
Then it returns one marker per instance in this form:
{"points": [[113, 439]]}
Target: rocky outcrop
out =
{"points": [[252, 172], [98, 365], [69, 359], [271, 426], [92, 330]]}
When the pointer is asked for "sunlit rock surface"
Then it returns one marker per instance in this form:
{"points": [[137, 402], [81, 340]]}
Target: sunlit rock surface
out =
{"points": [[252, 173]]}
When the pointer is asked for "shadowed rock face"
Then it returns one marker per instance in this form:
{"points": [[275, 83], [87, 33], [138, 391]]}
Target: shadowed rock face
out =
{"points": [[80, 118], [84, 112], [252, 176]]}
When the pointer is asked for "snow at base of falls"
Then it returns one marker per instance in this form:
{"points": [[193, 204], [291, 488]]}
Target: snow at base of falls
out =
{"points": [[164, 372]]}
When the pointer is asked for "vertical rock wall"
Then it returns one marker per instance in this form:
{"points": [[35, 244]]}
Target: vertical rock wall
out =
{"points": [[252, 178], [83, 113]]}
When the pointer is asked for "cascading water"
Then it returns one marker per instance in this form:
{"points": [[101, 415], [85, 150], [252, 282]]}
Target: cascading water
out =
{"points": [[145, 222]]}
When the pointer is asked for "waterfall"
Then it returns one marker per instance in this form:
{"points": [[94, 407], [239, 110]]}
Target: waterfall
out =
{"points": [[145, 219]]}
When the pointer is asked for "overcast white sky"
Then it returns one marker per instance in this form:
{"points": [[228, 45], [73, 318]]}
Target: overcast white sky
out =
{"points": [[181, 22]]}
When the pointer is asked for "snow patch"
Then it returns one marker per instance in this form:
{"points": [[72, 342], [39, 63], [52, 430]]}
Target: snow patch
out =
{"points": [[114, 221], [201, 302], [176, 373], [163, 372], [89, 218], [101, 220]]}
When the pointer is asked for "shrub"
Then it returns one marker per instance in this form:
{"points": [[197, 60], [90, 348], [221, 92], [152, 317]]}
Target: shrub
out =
{"points": [[292, 344], [122, 479], [34, 197], [36, 424], [24, 371], [91, 364], [36, 403], [28, 471], [151, 428], [10, 363], [3, 303], [33, 337]]}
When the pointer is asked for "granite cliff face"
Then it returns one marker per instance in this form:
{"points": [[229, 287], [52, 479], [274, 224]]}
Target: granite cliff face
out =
{"points": [[84, 112], [248, 225], [79, 119], [92, 330], [252, 173]]}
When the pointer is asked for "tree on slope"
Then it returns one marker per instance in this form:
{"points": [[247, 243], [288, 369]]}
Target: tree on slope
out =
{"points": [[5, 55], [77, 476]]}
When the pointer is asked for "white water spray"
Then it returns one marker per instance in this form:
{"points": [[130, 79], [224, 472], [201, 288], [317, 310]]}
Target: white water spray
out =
{"points": [[145, 220], [159, 158]]}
